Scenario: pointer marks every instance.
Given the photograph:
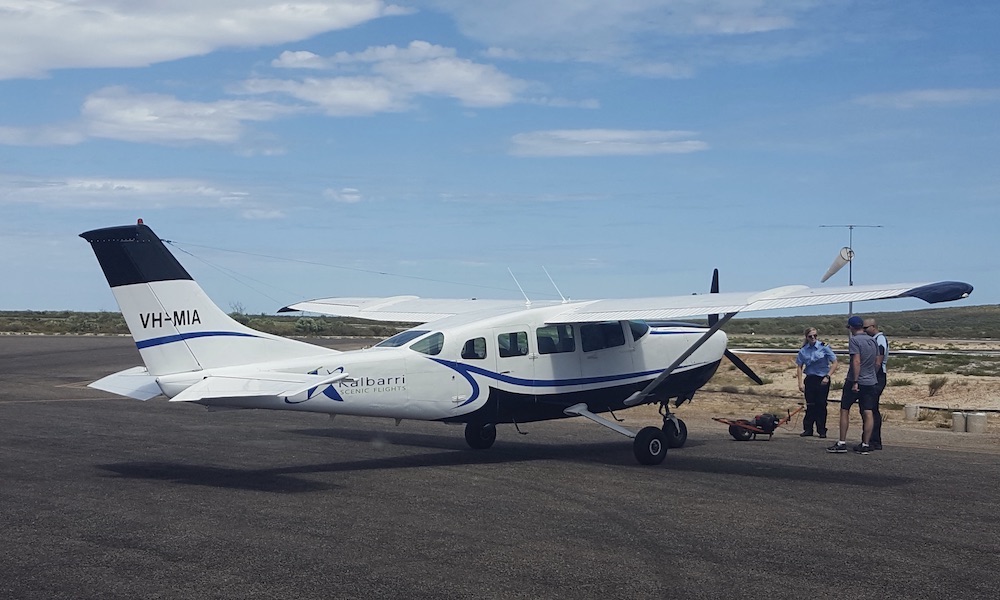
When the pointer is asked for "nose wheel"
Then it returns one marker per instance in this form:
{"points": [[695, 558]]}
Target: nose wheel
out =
{"points": [[480, 436], [674, 430]]}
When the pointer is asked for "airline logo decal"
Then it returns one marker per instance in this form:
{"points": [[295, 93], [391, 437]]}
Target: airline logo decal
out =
{"points": [[354, 386]]}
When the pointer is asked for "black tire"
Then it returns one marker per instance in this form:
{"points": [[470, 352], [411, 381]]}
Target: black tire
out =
{"points": [[740, 434], [650, 446], [480, 436], [676, 434]]}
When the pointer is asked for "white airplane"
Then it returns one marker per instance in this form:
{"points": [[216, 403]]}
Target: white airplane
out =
{"points": [[477, 362]]}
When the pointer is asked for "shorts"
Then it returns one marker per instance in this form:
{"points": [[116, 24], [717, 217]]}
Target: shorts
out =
{"points": [[866, 397]]}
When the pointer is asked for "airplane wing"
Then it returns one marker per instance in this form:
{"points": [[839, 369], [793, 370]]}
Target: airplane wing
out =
{"points": [[411, 309], [405, 309], [794, 296]]}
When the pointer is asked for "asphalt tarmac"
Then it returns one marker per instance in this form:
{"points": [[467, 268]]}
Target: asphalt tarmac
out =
{"points": [[102, 497]]}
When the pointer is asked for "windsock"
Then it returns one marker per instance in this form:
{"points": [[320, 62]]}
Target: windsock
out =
{"points": [[843, 257]]}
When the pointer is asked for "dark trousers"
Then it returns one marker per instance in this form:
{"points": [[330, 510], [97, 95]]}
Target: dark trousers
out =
{"points": [[876, 439], [817, 394]]}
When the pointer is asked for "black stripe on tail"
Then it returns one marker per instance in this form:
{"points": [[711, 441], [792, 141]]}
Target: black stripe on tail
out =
{"points": [[133, 254]]}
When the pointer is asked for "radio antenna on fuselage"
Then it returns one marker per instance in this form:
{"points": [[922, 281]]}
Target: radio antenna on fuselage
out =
{"points": [[527, 301], [564, 300]]}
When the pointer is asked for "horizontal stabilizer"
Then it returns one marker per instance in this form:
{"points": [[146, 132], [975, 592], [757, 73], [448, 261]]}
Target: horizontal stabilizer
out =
{"points": [[281, 385], [132, 383]]}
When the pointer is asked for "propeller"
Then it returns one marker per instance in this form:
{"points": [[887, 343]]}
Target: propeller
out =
{"points": [[742, 366], [713, 319]]}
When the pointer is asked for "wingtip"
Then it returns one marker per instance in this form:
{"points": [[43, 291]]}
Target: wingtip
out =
{"points": [[942, 291]]}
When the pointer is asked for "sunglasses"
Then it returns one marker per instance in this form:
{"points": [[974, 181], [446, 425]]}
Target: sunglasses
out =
{"points": [[811, 336]]}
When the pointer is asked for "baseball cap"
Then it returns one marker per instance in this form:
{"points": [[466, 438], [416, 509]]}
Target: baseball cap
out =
{"points": [[855, 322]]}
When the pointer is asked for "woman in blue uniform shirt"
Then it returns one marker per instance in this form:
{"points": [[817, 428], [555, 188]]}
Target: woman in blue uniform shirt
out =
{"points": [[818, 363]]}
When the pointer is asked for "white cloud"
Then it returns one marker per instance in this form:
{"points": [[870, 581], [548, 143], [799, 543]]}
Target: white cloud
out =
{"points": [[388, 78], [116, 113], [624, 32], [336, 96], [931, 97], [37, 37], [299, 59], [343, 195], [119, 114], [46, 135], [118, 193], [262, 214], [605, 142]]}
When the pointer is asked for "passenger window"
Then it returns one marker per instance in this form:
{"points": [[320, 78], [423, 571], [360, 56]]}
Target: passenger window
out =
{"points": [[553, 339], [513, 344], [639, 329], [431, 344], [474, 348], [597, 336]]}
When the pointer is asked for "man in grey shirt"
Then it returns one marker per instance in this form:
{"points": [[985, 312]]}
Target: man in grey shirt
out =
{"points": [[861, 386]]}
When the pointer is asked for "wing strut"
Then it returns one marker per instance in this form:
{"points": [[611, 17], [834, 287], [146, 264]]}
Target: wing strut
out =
{"points": [[581, 410], [637, 398]]}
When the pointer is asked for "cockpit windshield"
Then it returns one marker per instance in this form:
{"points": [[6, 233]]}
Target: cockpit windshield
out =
{"points": [[402, 338]]}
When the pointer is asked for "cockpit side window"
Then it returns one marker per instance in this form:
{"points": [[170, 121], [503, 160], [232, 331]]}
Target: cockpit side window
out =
{"points": [[597, 336], [431, 344], [474, 349], [639, 329]]}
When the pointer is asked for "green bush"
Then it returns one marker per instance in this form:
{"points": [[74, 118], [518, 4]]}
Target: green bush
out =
{"points": [[934, 385]]}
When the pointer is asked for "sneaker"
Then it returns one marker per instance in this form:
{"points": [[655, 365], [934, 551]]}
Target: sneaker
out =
{"points": [[876, 446], [822, 436], [862, 448], [838, 447], [806, 434]]}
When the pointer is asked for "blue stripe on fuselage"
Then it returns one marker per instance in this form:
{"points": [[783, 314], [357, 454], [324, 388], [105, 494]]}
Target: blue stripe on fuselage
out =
{"points": [[466, 371], [169, 339]]}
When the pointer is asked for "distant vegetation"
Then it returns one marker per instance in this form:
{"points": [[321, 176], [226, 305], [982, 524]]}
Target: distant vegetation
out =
{"points": [[964, 323], [967, 322], [108, 323]]}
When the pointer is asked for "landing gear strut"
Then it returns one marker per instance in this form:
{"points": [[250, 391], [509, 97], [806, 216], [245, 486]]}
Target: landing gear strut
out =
{"points": [[674, 430], [650, 444]]}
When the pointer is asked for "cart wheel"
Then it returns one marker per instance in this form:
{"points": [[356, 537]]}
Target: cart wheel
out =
{"points": [[650, 446], [740, 434], [676, 434]]}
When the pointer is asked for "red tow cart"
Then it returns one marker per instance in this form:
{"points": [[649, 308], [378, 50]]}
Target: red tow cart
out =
{"points": [[744, 429]]}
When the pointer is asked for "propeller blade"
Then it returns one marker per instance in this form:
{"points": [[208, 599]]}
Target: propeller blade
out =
{"points": [[713, 319], [742, 366]]}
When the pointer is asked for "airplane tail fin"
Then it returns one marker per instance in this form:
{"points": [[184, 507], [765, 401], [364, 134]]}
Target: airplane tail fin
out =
{"points": [[175, 325]]}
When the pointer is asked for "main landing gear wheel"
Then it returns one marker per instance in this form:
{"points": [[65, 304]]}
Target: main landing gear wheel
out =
{"points": [[675, 432], [740, 434], [650, 446], [480, 436]]}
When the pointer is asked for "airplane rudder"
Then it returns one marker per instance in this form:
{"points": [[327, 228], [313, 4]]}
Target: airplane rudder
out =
{"points": [[133, 254]]}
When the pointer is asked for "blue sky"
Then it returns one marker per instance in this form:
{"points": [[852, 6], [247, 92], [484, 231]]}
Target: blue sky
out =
{"points": [[294, 150]]}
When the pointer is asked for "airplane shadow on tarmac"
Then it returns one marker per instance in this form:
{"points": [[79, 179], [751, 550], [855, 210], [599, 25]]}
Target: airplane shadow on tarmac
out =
{"points": [[451, 451]]}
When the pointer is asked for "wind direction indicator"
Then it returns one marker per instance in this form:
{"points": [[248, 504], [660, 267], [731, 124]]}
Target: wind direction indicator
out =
{"points": [[845, 256]]}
